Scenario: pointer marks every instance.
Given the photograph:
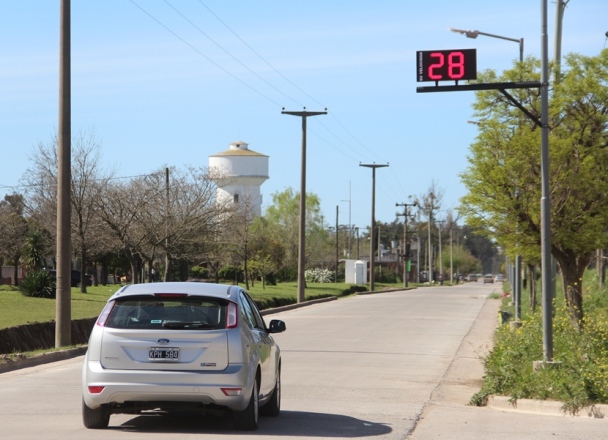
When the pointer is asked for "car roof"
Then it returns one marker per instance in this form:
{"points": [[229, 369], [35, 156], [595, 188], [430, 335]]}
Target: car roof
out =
{"points": [[190, 288]]}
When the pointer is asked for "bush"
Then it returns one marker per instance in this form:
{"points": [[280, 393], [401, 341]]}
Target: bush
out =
{"points": [[38, 285], [581, 375], [199, 272], [230, 273], [354, 288], [319, 276], [386, 275]]}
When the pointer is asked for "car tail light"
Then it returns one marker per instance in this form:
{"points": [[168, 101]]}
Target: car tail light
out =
{"points": [[232, 391], [95, 389], [232, 315], [171, 295], [103, 316]]}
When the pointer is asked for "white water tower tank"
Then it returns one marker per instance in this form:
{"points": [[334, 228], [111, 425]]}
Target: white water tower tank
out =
{"points": [[239, 173]]}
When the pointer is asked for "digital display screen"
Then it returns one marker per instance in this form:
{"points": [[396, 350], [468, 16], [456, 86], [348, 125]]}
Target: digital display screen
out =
{"points": [[446, 65]]}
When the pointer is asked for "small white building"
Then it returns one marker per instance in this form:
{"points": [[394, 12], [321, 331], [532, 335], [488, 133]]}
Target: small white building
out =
{"points": [[239, 173], [355, 271]]}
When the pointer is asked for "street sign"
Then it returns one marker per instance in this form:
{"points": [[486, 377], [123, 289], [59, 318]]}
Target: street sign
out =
{"points": [[446, 65]]}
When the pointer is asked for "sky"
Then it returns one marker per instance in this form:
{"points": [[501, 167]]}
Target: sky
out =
{"points": [[171, 82]]}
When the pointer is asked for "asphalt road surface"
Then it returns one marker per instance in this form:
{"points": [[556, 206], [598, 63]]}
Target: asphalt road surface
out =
{"points": [[370, 366]]}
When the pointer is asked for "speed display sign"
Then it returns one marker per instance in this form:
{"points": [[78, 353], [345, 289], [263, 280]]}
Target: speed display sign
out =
{"points": [[446, 65]]}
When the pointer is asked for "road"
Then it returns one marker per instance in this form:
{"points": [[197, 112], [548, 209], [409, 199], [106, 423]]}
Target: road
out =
{"points": [[381, 365]]}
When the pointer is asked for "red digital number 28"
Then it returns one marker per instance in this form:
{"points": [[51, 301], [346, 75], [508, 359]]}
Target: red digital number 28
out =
{"points": [[455, 65]]}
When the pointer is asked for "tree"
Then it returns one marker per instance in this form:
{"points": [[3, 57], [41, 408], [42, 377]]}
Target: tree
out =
{"points": [[35, 249], [14, 227], [428, 203], [503, 177], [85, 187], [282, 222]]}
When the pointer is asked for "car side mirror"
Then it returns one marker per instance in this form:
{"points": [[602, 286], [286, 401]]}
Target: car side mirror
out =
{"points": [[276, 326]]}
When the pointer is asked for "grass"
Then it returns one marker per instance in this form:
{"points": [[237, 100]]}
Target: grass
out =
{"points": [[581, 376], [16, 309]]}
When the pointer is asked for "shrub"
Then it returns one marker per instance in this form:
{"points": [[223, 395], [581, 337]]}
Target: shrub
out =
{"points": [[580, 377], [230, 273], [199, 272], [319, 276], [353, 289], [38, 285]]}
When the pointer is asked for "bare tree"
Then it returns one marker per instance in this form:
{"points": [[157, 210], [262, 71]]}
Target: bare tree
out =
{"points": [[86, 181], [152, 215]]}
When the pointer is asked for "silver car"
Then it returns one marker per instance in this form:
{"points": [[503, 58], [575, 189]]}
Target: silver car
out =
{"points": [[175, 346]]}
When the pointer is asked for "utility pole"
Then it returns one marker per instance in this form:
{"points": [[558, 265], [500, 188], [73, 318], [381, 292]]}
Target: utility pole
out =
{"points": [[452, 255], [337, 253], [545, 202], [167, 207], [63, 307], [302, 236], [439, 222], [406, 253], [350, 231], [357, 235], [373, 225]]}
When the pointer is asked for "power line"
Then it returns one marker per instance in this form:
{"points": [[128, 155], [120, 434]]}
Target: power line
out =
{"points": [[205, 56], [341, 140], [230, 54], [260, 56]]}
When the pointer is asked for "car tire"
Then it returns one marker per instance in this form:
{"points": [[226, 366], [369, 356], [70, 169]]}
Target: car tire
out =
{"points": [[98, 418], [273, 407], [247, 420]]}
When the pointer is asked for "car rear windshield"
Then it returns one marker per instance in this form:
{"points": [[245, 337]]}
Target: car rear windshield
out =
{"points": [[177, 313]]}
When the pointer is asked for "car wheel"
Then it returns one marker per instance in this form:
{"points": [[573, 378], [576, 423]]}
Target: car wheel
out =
{"points": [[98, 418], [273, 407], [247, 420]]}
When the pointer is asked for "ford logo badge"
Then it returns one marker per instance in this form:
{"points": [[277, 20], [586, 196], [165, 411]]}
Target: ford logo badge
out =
{"points": [[163, 341]]}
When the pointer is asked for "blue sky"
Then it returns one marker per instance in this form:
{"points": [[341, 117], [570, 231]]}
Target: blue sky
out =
{"points": [[172, 82]]}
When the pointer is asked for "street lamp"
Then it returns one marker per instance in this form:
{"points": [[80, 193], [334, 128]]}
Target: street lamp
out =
{"points": [[475, 34]]}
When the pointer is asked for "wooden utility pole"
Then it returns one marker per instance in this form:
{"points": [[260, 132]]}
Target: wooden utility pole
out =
{"points": [[405, 252], [302, 236], [373, 225]]}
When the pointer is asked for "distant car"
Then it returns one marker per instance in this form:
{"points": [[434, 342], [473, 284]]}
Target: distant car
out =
{"points": [[488, 278], [472, 277], [499, 278], [75, 277], [181, 346]]}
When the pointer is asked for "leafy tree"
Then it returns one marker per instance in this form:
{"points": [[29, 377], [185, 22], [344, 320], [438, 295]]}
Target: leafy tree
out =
{"points": [[35, 249], [14, 227], [282, 222], [504, 179]]}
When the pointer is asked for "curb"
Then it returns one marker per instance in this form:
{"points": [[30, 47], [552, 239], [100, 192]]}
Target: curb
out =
{"points": [[545, 407], [55, 356], [44, 358], [297, 305]]}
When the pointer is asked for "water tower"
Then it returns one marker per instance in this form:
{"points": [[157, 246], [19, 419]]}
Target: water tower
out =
{"points": [[240, 173]]}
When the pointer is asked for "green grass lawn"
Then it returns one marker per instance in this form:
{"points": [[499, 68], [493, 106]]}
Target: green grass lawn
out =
{"points": [[16, 309]]}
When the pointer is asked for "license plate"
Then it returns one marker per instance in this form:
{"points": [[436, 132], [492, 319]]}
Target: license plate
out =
{"points": [[163, 353]]}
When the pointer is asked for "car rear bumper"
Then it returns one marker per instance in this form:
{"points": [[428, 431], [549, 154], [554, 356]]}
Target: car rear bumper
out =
{"points": [[139, 387]]}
